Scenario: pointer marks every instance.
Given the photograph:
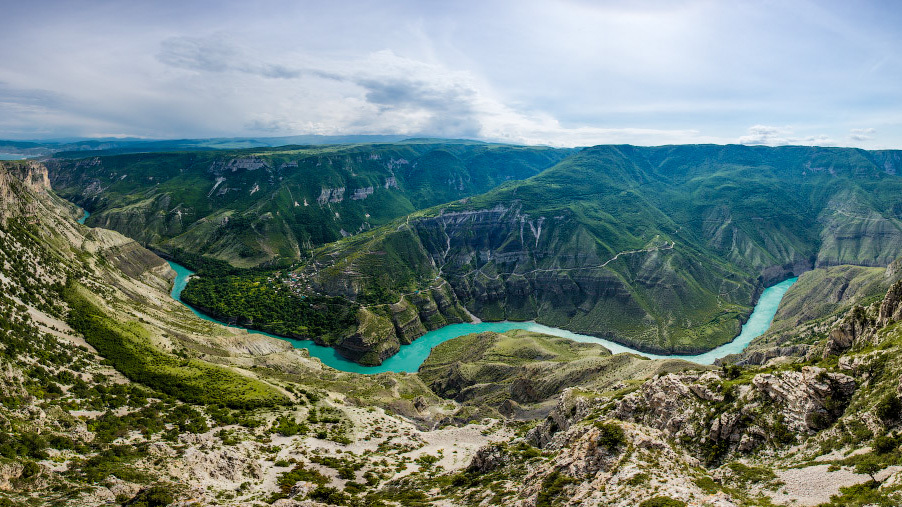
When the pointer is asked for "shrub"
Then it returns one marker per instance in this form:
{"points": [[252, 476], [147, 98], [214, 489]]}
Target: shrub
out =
{"points": [[287, 426], [860, 495], [30, 469], [552, 487], [329, 495], [731, 371], [299, 473], [889, 408], [662, 501], [610, 436], [156, 496], [885, 444], [748, 474]]}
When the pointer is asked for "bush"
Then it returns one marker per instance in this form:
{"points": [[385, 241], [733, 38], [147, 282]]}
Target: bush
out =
{"points": [[552, 487], [885, 444], [662, 501], [30, 469], [287, 426], [889, 408], [26, 445], [299, 473], [329, 495], [860, 495], [750, 474], [156, 496], [610, 436], [731, 371]]}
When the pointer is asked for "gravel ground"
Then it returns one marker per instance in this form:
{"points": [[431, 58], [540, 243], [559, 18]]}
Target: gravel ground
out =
{"points": [[815, 485]]}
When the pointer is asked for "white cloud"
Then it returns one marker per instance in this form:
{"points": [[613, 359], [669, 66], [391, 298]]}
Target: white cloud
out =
{"points": [[563, 73], [767, 135], [862, 134]]}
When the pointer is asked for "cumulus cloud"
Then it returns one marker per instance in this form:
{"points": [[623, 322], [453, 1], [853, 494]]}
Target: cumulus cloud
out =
{"points": [[766, 135], [388, 93], [862, 134], [442, 102]]}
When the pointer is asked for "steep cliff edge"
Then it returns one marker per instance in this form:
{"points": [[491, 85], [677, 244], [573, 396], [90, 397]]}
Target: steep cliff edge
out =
{"points": [[821, 304], [821, 432]]}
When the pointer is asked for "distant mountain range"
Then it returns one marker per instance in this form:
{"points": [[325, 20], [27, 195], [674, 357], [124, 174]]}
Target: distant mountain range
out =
{"points": [[78, 146]]}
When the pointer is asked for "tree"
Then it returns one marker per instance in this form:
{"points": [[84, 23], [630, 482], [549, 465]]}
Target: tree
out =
{"points": [[869, 465]]}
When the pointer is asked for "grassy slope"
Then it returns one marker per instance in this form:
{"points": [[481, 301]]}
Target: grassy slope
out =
{"points": [[529, 368], [128, 347]]}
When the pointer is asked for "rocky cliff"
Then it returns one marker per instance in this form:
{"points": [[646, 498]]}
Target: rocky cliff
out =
{"points": [[255, 207], [674, 267], [788, 434]]}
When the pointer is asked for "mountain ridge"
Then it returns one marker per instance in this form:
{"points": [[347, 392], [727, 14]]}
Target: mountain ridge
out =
{"points": [[664, 249]]}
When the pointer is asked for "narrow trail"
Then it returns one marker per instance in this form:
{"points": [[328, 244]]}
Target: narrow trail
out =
{"points": [[669, 246]]}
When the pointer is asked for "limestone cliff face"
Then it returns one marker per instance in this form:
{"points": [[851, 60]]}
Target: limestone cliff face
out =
{"points": [[504, 264], [681, 405], [867, 238], [289, 199], [854, 328], [860, 326], [146, 221], [17, 178], [406, 321], [891, 307], [131, 258], [379, 336], [374, 340]]}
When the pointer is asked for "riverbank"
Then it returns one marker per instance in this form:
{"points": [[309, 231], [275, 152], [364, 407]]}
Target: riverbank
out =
{"points": [[410, 357]]}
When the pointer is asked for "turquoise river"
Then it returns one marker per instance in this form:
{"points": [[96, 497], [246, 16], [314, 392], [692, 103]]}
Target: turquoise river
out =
{"points": [[412, 356]]}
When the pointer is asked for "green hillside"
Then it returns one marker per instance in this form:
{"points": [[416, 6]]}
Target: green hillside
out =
{"points": [[662, 248], [275, 204]]}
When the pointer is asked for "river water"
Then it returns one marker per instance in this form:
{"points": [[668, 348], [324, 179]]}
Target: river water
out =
{"points": [[412, 356]]}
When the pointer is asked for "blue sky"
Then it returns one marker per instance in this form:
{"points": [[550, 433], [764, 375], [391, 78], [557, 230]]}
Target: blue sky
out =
{"points": [[565, 73]]}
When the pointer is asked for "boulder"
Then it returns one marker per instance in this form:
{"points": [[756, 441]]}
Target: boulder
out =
{"points": [[810, 399], [488, 458], [855, 327]]}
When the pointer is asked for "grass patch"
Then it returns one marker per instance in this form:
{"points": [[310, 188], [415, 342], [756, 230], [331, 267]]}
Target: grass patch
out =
{"points": [[126, 346]]}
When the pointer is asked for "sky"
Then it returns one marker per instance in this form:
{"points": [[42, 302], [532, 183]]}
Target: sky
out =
{"points": [[560, 73]]}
